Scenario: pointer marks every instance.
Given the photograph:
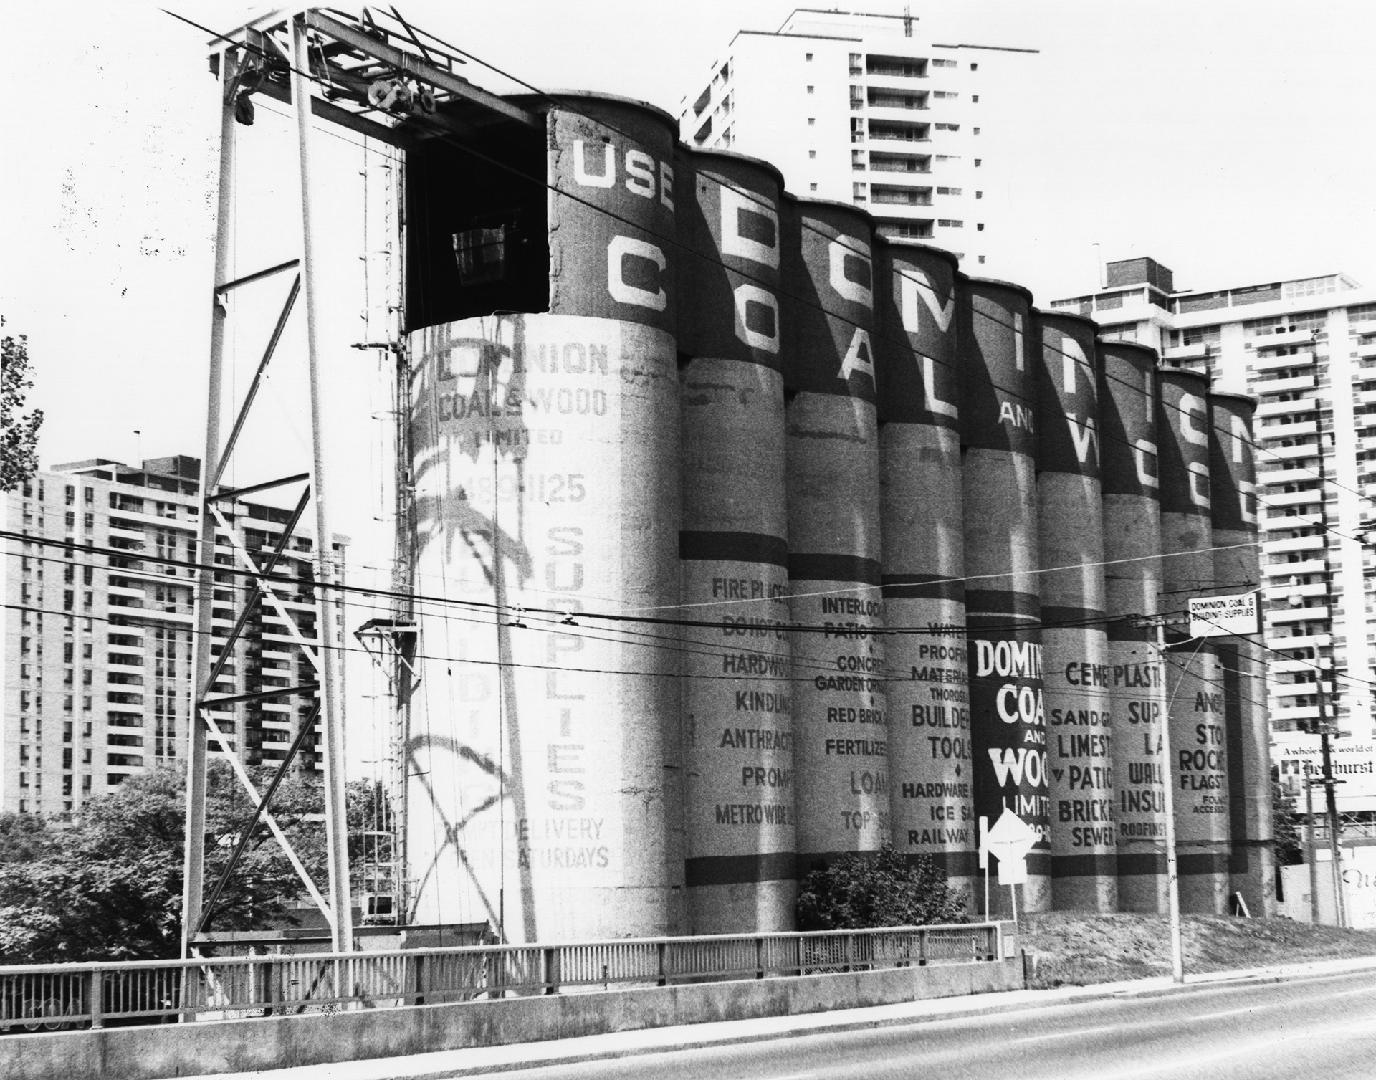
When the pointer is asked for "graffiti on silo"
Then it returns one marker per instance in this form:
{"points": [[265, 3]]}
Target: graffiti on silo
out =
{"points": [[1074, 641], [1233, 514], [737, 715], [998, 435], [840, 717], [1132, 542], [930, 787], [1194, 678], [546, 471]]}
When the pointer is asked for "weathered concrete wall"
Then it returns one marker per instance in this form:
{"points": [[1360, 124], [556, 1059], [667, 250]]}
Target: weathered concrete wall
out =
{"points": [[144, 1053]]}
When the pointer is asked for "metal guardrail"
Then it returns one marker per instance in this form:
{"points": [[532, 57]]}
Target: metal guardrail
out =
{"points": [[57, 997]]}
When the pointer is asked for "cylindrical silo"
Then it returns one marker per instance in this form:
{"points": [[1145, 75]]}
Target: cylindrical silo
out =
{"points": [[1237, 567], [1132, 580], [1194, 679], [737, 697], [998, 350], [840, 720], [930, 787], [544, 750], [1075, 655]]}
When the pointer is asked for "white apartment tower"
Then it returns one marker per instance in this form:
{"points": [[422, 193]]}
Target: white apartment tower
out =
{"points": [[98, 581], [858, 108], [1306, 350]]}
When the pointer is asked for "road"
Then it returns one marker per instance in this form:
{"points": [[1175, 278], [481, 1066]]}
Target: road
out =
{"points": [[1309, 1027]]}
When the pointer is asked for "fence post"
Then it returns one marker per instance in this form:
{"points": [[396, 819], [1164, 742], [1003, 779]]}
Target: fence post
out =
{"points": [[661, 949], [759, 958], [418, 979], [94, 1000]]}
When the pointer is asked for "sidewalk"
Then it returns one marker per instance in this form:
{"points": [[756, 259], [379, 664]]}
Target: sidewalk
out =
{"points": [[488, 1059]]}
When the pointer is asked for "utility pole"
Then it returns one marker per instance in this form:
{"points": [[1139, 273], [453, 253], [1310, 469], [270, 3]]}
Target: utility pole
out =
{"points": [[1168, 790], [1325, 727]]}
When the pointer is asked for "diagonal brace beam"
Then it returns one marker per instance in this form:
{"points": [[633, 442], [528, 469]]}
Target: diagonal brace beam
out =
{"points": [[246, 833]]}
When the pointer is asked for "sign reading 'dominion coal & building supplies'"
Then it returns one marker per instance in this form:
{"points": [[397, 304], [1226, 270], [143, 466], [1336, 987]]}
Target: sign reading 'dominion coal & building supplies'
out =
{"points": [[1224, 616]]}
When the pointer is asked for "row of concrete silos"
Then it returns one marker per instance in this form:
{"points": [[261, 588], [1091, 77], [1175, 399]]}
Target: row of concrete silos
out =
{"points": [[773, 541]]}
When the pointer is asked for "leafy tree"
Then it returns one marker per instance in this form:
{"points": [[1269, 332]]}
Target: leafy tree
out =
{"points": [[18, 432], [108, 884], [857, 892], [1285, 825]]}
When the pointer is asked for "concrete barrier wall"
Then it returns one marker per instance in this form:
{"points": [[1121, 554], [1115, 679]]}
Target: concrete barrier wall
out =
{"points": [[145, 1053]]}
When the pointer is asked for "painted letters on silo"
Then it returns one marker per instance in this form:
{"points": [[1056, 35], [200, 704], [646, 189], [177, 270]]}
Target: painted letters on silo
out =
{"points": [[1194, 680], [998, 434], [546, 462], [930, 786], [840, 717], [1074, 640], [1132, 579], [737, 715], [1237, 566]]}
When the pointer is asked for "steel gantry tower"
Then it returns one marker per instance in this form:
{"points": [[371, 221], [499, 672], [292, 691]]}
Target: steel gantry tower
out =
{"points": [[376, 75]]}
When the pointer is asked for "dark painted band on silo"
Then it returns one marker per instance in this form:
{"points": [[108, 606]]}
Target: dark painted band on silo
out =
{"points": [[1129, 448], [1068, 396], [831, 302], [613, 221], [996, 341], [730, 276], [919, 380], [1184, 424]]}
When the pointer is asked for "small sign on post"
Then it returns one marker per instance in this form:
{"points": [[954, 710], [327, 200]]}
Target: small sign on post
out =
{"points": [[1225, 616]]}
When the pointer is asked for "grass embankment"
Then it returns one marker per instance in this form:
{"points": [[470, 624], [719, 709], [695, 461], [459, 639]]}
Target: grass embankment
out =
{"points": [[1075, 948]]}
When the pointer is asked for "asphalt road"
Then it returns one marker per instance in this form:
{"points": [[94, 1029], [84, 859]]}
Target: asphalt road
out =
{"points": [[1308, 1027]]}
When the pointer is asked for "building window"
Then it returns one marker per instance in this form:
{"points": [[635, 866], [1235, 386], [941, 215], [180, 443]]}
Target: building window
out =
{"points": [[807, 56], [811, 121], [812, 89], [812, 187], [979, 227], [812, 153]]}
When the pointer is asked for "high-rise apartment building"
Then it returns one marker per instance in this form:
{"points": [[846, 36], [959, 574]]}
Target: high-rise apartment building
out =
{"points": [[98, 581], [1306, 350], [862, 109]]}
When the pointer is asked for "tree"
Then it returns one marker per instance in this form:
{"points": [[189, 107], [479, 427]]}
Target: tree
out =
{"points": [[18, 432], [857, 892], [1285, 825], [108, 884]]}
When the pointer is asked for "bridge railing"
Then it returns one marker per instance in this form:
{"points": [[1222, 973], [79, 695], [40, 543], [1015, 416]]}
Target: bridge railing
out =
{"points": [[54, 997]]}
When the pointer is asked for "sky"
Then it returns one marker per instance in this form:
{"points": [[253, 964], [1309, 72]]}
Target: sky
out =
{"points": [[1230, 140]]}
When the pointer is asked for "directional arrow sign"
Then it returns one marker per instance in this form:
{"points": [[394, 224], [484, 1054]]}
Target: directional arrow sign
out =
{"points": [[1010, 839]]}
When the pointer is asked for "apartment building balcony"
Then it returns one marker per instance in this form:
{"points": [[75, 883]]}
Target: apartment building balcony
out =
{"points": [[1282, 593], [1281, 616], [1295, 714], [1300, 641], [900, 133], [1283, 385], [1269, 476], [1298, 667], [1179, 354], [1288, 498], [1366, 348], [1286, 408], [1284, 570], [1282, 338], [1271, 361], [1278, 451], [1292, 543], [896, 168], [1293, 690], [1285, 430], [1366, 397], [181, 618]]}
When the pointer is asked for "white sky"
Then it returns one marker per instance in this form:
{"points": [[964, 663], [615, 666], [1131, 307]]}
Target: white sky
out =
{"points": [[1231, 140]]}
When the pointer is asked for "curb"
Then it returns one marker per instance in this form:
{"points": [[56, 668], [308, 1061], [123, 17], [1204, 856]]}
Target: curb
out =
{"points": [[802, 1025]]}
